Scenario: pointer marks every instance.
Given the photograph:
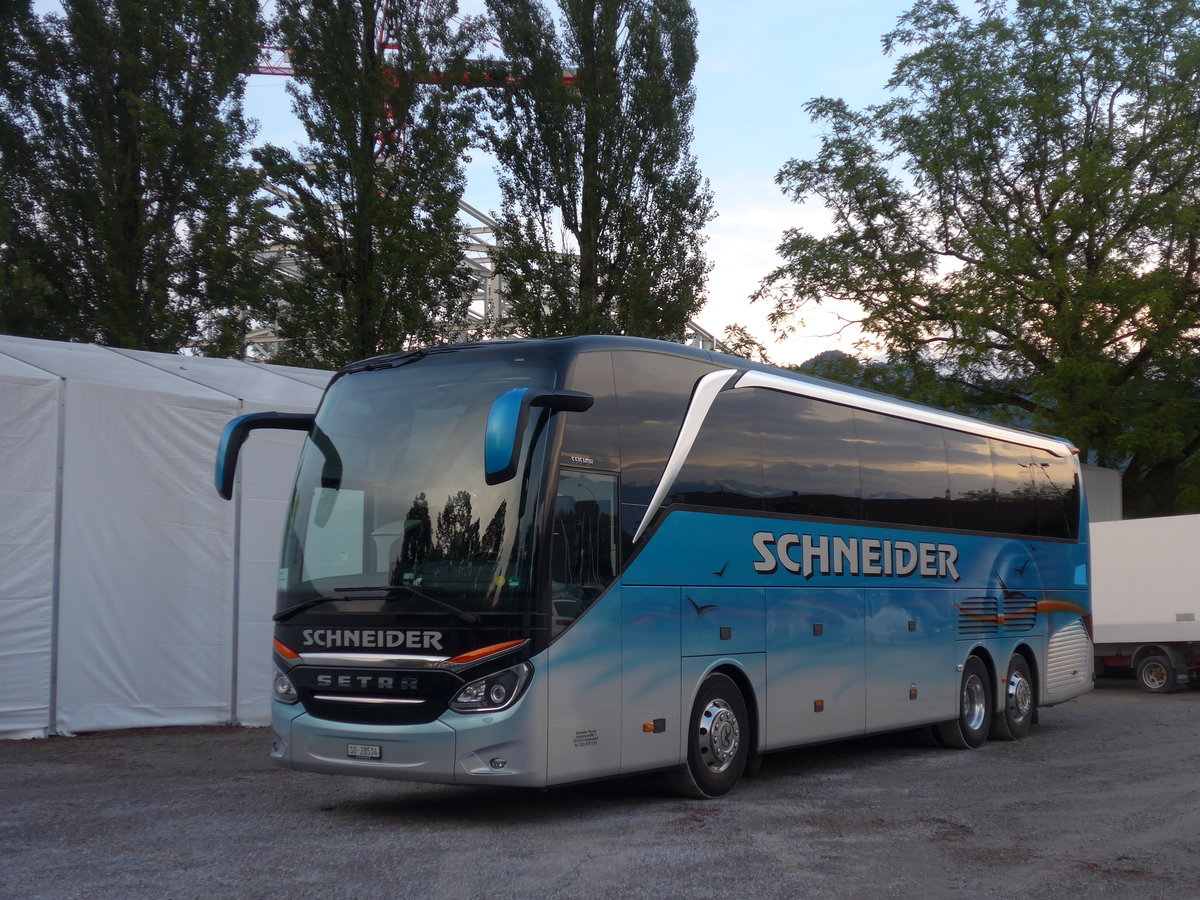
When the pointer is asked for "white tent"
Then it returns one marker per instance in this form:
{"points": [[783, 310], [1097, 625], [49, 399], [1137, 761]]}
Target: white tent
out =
{"points": [[130, 593]]}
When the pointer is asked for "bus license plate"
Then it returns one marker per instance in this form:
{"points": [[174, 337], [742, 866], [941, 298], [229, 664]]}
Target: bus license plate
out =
{"points": [[364, 751]]}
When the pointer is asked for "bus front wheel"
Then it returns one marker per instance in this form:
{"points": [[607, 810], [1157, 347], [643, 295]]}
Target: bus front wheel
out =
{"points": [[974, 721], [719, 740]]}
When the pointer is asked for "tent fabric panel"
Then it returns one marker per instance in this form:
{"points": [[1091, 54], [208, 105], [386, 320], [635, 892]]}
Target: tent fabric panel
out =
{"points": [[28, 489], [14, 370], [237, 378], [146, 572], [97, 365], [318, 378], [25, 668]]}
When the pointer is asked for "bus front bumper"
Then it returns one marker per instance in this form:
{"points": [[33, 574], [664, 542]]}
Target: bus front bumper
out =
{"points": [[456, 749]]}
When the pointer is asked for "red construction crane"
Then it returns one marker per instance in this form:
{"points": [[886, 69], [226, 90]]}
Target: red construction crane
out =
{"points": [[479, 73]]}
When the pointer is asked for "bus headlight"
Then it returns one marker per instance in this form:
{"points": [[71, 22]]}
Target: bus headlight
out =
{"points": [[284, 690], [497, 691]]}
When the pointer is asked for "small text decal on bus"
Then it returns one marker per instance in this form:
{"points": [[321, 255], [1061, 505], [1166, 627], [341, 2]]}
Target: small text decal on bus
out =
{"points": [[820, 554]]}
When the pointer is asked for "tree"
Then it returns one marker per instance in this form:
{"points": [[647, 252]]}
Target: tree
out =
{"points": [[127, 218], [372, 203], [738, 341], [27, 306], [457, 530], [1023, 219], [603, 205], [921, 383]]}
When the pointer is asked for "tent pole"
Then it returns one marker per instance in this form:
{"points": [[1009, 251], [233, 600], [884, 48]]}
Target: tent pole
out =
{"points": [[237, 591], [56, 578]]}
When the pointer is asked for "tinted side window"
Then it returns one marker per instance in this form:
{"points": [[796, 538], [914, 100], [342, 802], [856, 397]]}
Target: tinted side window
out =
{"points": [[810, 457], [1018, 484], [1057, 495], [592, 435], [972, 482], [724, 467], [904, 473], [653, 392]]}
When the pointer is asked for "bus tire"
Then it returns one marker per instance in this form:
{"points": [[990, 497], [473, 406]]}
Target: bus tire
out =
{"points": [[1015, 719], [974, 721], [718, 742], [1156, 675]]}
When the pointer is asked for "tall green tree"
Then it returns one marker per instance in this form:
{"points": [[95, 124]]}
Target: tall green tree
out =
{"points": [[603, 204], [1022, 218], [26, 304], [126, 218], [371, 203]]}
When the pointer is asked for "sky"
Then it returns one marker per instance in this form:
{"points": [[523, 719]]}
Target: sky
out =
{"points": [[759, 62]]}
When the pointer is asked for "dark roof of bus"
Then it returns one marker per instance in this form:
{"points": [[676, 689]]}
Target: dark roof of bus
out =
{"points": [[568, 347]]}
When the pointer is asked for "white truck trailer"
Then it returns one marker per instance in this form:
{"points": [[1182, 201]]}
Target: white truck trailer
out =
{"points": [[1145, 600]]}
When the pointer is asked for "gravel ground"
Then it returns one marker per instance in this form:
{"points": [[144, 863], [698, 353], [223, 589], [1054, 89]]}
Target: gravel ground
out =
{"points": [[1103, 799]]}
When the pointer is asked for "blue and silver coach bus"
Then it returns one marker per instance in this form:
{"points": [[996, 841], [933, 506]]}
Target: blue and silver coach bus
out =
{"points": [[546, 561]]}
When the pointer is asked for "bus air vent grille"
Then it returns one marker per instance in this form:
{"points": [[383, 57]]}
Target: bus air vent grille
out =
{"points": [[978, 616], [1068, 662], [1020, 614]]}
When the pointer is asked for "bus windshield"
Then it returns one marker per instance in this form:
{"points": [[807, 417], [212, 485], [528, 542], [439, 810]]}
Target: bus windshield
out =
{"points": [[390, 511]]}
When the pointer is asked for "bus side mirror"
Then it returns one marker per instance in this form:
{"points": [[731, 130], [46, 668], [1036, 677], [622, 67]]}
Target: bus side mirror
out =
{"points": [[235, 435], [506, 425]]}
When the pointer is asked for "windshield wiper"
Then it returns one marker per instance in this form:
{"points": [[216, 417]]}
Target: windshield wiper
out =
{"points": [[389, 590], [284, 614]]}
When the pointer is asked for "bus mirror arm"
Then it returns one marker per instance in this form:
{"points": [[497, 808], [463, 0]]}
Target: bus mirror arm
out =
{"points": [[537, 433], [506, 425], [235, 435], [331, 471]]}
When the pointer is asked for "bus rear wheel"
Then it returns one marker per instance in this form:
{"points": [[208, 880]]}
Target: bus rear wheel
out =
{"points": [[1014, 721], [974, 721], [719, 740]]}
